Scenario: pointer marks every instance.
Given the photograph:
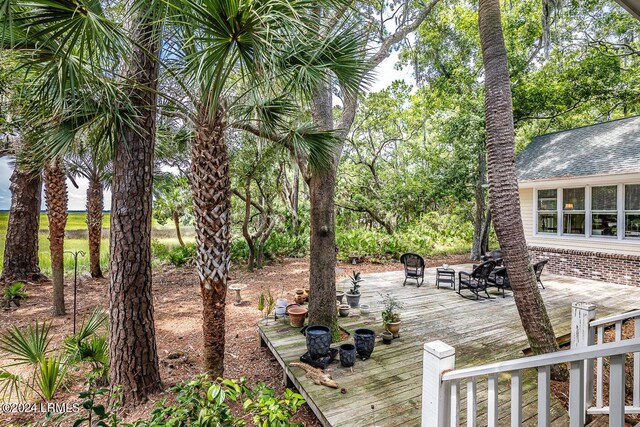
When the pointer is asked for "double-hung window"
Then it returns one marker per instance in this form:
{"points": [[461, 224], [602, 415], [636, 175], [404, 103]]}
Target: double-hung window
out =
{"points": [[573, 211], [548, 211], [632, 211], [604, 211]]}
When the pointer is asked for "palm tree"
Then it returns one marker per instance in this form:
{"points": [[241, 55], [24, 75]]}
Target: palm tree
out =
{"points": [[56, 198], [503, 185], [80, 51], [237, 56], [93, 165]]}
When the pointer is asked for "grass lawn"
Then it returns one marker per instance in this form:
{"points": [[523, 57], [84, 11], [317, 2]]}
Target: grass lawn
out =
{"points": [[76, 224]]}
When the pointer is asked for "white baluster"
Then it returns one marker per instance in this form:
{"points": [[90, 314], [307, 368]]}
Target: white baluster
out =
{"points": [[492, 400], [455, 403], [636, 367], [618, 330], [576, 395], [544, 401], [600, 371], [516, 398], [471, 402], [616, 391]]}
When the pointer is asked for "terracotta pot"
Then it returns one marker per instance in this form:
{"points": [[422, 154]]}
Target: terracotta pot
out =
{"points": [[306, 294], [299, 299], [394, 328], [297, 315]]}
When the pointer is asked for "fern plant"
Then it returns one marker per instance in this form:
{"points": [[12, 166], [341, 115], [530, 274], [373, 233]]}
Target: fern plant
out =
{"points": [[15, 291]]}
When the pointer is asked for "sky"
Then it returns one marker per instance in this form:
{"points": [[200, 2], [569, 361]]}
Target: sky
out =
{"points": [[385, 74]]}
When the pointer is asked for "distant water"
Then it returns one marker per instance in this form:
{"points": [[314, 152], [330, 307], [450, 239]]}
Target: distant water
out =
{"points": [[77, 196]]}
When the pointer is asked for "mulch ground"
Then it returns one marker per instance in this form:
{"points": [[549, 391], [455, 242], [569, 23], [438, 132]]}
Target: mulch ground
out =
{"points": [[178, 321]]}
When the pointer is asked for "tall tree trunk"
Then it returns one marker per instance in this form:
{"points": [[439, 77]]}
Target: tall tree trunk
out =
{"points": [[55, 189], [132, 342], [95, 206], [477, 248], [322, 264], [21, 244], [176, 221], [245, 225], [211, 189], [294, 200], [503, 186]]}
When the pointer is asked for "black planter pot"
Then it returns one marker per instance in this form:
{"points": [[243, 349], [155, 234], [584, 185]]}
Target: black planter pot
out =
{"points": [[365, 341], [318, 341], [347, 355]]}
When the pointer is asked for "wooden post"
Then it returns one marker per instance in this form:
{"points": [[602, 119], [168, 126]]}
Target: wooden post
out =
{"points": [[438, 357], [582, 313]]}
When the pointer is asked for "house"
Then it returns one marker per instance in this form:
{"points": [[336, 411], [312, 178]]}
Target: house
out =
{"points": [[580, 200]]}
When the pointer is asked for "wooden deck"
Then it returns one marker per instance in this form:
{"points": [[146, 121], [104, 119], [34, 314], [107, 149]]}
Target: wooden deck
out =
{"points": [[482, 331]]}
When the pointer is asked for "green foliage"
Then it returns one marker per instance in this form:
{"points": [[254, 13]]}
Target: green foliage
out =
{"points": [[89, 345], [392, 307], [172, 196], [15, 290], [44, 373], [91, 412], [177, 255], [201, 402], [355, 283]]}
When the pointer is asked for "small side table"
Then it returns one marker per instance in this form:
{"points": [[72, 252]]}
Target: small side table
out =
{"points": [[445, 276]]}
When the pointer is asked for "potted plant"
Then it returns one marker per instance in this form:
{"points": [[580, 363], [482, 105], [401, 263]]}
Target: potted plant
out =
{"points": [[13, 294], [353, 294], [391, 313]]}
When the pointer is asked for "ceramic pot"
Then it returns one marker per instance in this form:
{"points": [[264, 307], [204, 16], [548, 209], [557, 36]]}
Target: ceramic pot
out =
{"points": [[387, 337], [353, 300], [340, 297], [394, 328], [306, 294], [365, 309], [347, 355], [299, 299], [281, 307], [365, 341], [343, 309], [318, 341], [297, 315]]}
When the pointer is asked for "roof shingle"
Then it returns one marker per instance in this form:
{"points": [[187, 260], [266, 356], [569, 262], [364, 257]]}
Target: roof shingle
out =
{"points": [[600, 149]]}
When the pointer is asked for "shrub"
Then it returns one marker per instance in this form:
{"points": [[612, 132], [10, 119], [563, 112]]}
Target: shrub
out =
{"points": [[201, 402], [181, 255], [15, 290], [159, 250]]}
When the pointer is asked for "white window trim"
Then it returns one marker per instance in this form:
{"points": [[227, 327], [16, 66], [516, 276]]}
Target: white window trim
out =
{"points": [[561, 211], [587, 212], [616, 212]]}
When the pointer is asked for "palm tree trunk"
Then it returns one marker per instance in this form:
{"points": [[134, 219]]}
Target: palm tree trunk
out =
{"points": [[21, 244], [477, 248], [503, 186], [176, 222], [211, 189], [95, 206], [57, 200], [132, 342]]}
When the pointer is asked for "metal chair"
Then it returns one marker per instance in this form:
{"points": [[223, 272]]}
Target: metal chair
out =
{"points": [[537, 268], [477, 280], [499, 278], [413, 268]]}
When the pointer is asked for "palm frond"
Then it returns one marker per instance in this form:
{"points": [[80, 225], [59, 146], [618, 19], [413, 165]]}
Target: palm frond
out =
{"points": [[317, 145], [10, 385], [29, 347]]}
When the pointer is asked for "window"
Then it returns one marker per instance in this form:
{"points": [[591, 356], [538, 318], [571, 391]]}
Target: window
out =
{"points": [[547, 211], [632, 211], [573, 211], [604, 211]]}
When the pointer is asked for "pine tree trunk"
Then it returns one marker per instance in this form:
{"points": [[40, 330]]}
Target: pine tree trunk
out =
{"points": [[211, 189], [176, 221], [21, 244], [322, 264], [95, 206], [132, 343], [503, 186], [57, 200]]}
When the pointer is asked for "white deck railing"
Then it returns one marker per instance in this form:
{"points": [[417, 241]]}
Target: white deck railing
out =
{"points": [[442, 385]]}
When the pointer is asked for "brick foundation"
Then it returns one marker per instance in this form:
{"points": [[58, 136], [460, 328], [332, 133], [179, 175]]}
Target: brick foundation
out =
{"points": [[613, 268]]}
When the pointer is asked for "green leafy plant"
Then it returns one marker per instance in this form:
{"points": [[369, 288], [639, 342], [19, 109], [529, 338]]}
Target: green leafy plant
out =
{"points": [[49, 376], [15, 291], [182, 255], [99, 408], [89, 344], [266, 303], [392, 307], [201, 402], [355, 283]]}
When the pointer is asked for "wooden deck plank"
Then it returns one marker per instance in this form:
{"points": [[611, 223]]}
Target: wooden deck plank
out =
{"points": [[482, 331]]}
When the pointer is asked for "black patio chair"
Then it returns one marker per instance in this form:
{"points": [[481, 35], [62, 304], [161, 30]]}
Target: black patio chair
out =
{"points": [[477, 280], [537, 268], [499, 278], [413, 268], [493, 255]]}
